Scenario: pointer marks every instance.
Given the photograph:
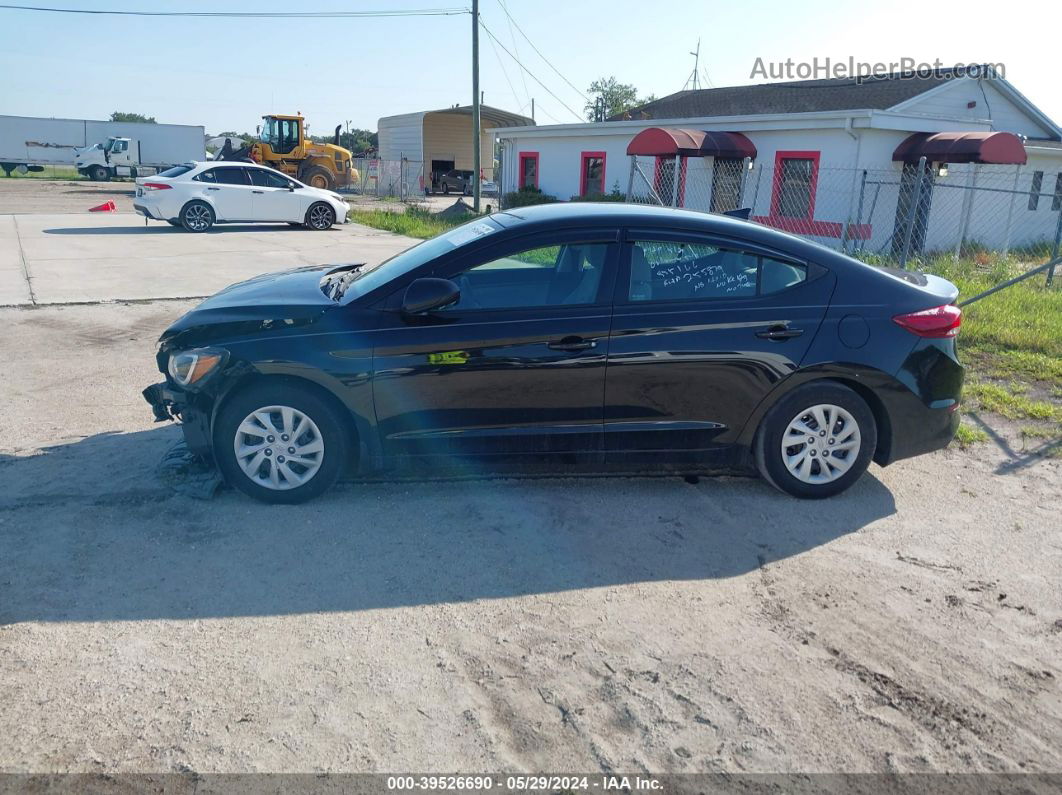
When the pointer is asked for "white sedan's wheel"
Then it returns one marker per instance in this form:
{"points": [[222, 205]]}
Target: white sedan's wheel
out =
{"points": [[820, 444], [279, 447], [320, 217]]}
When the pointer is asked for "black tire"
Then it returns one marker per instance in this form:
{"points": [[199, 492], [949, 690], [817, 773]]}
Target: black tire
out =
{"points": [[467, 191], [100, 174], [197, 216], [446, 188], [768, 444], [331, 424], [317, 174], [320, 217], [8, 168]]}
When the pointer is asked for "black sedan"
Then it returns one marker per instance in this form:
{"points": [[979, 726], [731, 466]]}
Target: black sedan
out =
{"points": [[600, 336]]}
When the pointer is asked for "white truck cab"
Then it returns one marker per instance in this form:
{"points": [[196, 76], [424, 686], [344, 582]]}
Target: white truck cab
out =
{"points": [[116, 157]]}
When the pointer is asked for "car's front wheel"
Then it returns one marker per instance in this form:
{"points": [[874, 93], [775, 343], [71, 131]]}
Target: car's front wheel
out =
{"points": [[197, 216], [320, 216], [280, 443], [816, 441]]}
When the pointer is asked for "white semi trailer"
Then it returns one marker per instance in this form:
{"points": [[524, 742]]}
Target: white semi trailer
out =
{"points": [[98, 149]]}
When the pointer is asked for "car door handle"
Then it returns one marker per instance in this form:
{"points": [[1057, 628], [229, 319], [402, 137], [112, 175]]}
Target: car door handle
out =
{"points": [[572, 344], [258, 191], [213, 188], [779, 333]]}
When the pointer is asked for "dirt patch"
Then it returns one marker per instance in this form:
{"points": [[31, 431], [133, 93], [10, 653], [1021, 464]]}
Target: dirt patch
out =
{"points": [[912, 624]]}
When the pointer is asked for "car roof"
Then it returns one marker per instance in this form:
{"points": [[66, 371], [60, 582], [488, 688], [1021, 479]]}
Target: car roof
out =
{"points": [[650, 217]]}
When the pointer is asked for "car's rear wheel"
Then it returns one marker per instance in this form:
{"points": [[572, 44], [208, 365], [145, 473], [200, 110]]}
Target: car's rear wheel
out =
{"points": [[816, 441], [320, 216], [197, 216], [280, 443], [446, 188]]}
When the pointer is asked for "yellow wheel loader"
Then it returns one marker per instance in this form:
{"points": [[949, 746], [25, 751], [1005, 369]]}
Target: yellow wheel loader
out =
{"points": [[283, 144]]}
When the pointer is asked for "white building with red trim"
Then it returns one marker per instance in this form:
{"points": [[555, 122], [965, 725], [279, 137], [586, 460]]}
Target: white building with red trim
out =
{"points": [[809, 143]]}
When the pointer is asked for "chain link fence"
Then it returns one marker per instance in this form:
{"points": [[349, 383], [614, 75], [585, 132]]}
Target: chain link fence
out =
{"points": [[911, 211], [409, 180]]}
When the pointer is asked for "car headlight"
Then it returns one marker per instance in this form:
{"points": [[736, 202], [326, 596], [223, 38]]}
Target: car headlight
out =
{"points": [[190, 367]]}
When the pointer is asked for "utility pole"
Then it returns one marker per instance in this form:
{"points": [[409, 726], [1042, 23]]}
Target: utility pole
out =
{"points": [[695, 76], [476, 165]]}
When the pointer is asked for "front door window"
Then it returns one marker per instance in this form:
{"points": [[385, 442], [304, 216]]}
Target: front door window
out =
{"points": [[563, 275]]}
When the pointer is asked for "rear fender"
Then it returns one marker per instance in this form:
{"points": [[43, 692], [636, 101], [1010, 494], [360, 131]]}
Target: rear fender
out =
{"points": [[869, 383]]}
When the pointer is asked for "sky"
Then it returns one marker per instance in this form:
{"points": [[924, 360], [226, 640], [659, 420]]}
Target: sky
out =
{"points": [[225, 74]]}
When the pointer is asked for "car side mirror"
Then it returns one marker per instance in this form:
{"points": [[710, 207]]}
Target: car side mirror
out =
{"points": [[426, 294], [292, 186]]}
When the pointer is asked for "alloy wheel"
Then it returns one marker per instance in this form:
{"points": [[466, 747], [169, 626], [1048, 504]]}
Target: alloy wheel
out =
{"points": [[279, 447], [198, 217], [320, 217], [820, 444]]}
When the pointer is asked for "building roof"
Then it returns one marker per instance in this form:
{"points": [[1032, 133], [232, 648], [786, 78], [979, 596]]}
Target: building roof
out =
{"points": [[495, 117], [801, 96]]}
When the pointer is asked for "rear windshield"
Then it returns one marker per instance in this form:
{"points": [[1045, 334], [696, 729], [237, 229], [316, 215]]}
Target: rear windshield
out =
{"points": [[176, 171]]}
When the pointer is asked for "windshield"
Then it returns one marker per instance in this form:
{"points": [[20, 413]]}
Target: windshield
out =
{"points": [[269, 130], [366, 279]]}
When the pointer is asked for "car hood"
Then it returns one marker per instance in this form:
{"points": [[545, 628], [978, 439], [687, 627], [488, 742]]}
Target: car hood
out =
{"points": [[274, 300]]}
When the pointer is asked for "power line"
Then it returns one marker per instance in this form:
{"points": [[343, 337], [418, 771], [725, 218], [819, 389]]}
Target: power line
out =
{"points": [[406, 12], [512, 36], [529, 72], [507, 80], [540, 55]]}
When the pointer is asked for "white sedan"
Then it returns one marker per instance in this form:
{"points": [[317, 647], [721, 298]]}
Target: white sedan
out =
{"points": [[199, 195]]}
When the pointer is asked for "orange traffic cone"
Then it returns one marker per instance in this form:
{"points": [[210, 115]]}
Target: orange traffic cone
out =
{"points": [[106, 207]]}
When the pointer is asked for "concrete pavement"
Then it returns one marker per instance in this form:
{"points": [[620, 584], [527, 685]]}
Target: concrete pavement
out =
{"points": [[82, 258]]}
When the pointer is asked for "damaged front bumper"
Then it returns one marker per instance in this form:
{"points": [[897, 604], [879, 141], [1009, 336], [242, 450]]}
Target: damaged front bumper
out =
{"points": [[169, 404], [163, 401]]}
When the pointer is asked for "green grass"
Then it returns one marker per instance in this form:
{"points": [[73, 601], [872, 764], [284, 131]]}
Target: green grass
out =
{"points": [[966, 435], [50, 172], [414, 222], [1009, 403], [1021, 325]]}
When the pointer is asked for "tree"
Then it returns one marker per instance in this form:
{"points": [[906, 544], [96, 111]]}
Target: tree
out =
{"points": [[357, 141], [119, 116], [609, 97], [247, 138]]}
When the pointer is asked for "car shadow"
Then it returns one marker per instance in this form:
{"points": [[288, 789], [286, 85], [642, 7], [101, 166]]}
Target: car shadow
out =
{"points": [[88, 533], [159, 228]]}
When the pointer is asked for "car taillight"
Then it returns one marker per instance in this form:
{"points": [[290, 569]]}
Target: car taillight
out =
{"points": [[157, 186], [940, 321]]}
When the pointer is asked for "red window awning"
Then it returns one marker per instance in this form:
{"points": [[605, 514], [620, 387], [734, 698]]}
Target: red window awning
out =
{"points": [[671, 141], [998, 148]]}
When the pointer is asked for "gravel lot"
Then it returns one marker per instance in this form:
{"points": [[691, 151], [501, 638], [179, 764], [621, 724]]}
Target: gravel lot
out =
{"points": [[538, 624], [912, 624]]}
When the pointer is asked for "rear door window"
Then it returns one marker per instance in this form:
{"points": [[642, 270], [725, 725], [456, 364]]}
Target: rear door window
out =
{"points": [[231, 175], [671, 271], [693, 271]]}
